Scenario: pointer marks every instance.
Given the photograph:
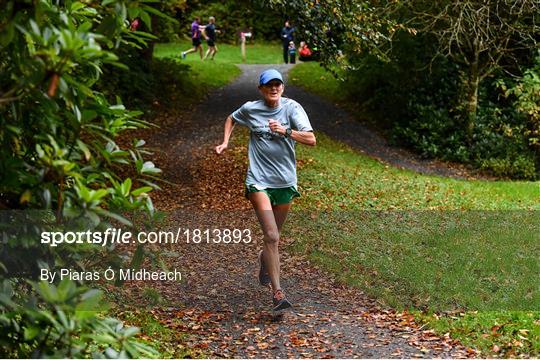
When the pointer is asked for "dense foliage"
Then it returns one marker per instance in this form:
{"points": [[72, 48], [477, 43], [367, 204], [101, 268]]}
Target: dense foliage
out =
{"points": [[59, 121], [418, 97], [61, 321]]}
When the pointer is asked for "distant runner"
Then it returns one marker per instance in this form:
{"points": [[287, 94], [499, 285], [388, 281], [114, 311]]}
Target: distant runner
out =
{"points": [[195, 38], [209, 33]]}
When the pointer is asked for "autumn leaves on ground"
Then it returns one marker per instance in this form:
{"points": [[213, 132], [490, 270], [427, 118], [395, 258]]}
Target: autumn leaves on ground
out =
{"points": [[218, 309]]}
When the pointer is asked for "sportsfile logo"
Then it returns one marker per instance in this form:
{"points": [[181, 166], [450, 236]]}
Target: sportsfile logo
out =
{"points": [[119, 236]]}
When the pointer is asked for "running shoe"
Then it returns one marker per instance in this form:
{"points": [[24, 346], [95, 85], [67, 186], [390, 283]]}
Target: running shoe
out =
{"points": [[183, 55], [280, 301], [264, 278]]}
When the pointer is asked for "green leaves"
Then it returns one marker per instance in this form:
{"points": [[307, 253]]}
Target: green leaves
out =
{"points": [[148, 167], [59, 151], [341, 30], [91, 198], [67, 322]]}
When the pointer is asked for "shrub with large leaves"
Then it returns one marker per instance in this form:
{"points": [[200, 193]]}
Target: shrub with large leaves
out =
{"points": [[63, 321], [57, 132], [59, 154]]}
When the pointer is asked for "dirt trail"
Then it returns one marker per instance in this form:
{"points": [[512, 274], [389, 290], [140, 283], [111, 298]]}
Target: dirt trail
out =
{"points": [[219, 301]]}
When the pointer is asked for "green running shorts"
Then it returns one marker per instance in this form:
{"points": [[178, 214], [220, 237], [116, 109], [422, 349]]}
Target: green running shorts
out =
{"points": [[277, 196]]}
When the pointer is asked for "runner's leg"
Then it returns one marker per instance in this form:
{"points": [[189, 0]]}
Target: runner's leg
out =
{"points": [[263, 209], [193, 49], [280, 214]]}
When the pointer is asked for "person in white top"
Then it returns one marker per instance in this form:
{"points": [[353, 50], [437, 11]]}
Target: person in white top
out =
{"points": [[276, 125]]}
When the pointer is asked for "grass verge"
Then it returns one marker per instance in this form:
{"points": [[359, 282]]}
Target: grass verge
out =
{"points": [[442, 247], [313, 77], [506, 333], [258, 53], [443, 261], [335, 177]]}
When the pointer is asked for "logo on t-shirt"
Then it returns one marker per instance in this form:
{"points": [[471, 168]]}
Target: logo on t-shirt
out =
{"points": [[264, 135]]}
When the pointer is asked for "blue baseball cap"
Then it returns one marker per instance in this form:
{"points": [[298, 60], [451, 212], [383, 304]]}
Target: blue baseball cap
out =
{"points": [[269, 75]]}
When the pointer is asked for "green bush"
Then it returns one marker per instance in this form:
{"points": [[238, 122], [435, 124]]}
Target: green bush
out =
{"points": [[499, 145], [390, 90], [520, 167], [59, 154], [415, 97], [62, 322], [171, 77], [144, 82], [433, 133], [370, 84]]}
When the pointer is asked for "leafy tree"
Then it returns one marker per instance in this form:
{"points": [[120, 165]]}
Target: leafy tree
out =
{"points": [[482, 36], [341, 30]]}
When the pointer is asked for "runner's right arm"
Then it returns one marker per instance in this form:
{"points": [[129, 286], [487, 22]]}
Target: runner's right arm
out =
{"points": [[229, 126]]}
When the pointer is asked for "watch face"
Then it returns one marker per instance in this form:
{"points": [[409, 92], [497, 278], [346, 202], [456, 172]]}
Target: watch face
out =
{"points": [[288, 131]]}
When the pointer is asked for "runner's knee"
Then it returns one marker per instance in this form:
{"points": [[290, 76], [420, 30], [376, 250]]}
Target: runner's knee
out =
{"points": [[271, 238]]}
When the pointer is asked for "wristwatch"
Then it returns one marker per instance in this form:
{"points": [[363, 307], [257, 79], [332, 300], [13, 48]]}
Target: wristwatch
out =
{"points": [[288, 132]]}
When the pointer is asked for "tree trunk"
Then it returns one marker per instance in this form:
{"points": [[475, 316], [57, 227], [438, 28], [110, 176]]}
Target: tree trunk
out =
{"points": [[471, 99], [147, 52]]}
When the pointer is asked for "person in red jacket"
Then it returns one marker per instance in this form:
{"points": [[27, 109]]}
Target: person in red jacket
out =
{"points": [[304, 52]]}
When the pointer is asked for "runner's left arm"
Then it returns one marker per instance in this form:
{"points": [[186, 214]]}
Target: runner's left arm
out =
{"points": [[304, 137]]}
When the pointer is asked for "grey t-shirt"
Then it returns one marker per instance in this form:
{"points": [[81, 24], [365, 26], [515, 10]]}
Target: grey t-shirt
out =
{"points": [[272, 160]]}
